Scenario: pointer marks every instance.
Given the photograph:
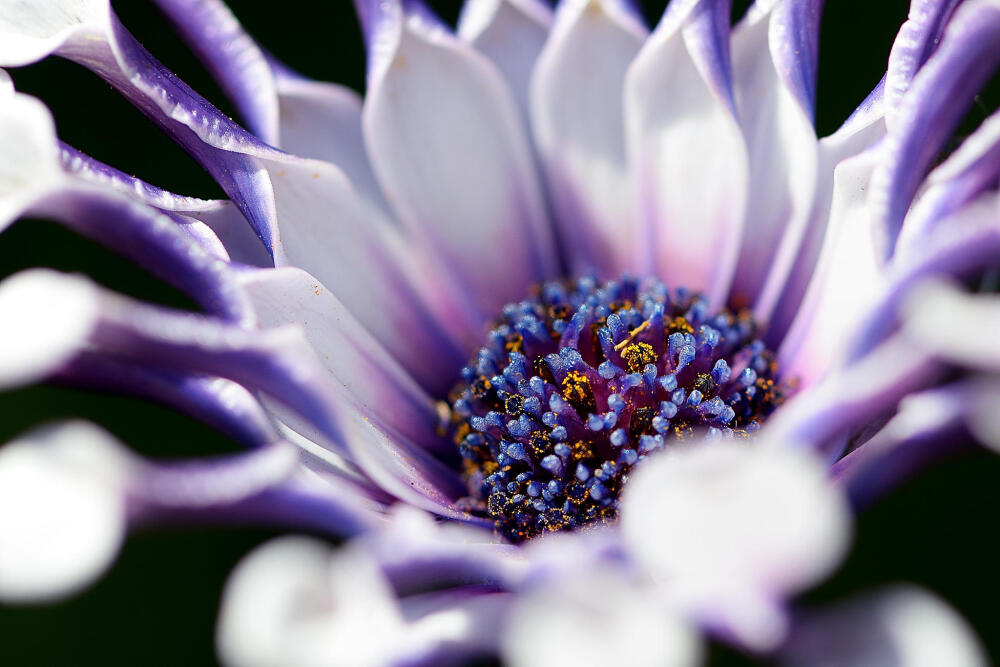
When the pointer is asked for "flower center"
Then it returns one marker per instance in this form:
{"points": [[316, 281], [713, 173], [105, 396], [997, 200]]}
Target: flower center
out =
{"points": [[582, 380]]}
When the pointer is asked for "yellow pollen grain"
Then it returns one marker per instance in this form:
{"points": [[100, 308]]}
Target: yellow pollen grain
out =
{"points": [[638, 355], [575, 387]]}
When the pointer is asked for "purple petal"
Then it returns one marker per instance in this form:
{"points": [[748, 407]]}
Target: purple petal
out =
{"points": [[961, 246], [853, 396], [934, 105], [903, 625], [929, 427], [971, 169], [916, 41], [154, 240], [224, 405], [233, 58]]}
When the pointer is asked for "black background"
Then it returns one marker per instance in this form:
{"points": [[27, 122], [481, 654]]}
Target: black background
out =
{"points": [[158, 604]]}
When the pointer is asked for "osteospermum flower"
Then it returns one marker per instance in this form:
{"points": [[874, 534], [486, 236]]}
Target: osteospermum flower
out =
{"points": [[596, 298]]}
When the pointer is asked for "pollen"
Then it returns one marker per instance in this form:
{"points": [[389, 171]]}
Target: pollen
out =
{"points": [[637, 356], [582, 380]]}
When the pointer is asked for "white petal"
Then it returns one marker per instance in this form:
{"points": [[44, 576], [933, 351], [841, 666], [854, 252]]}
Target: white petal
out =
{"points": [[601, 620], [688, 158], [511, 33], [783, 157], [323, 120], [970, 338], [848, 275], [460, 174], [29, 164], [62, 510], [726, 525], [365, 368], [294, 602], [29, 31], [47, 318], [578, 121], [898, 626]]}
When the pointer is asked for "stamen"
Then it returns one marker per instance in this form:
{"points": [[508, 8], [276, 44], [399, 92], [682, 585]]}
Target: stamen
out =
{"points": [[581, 381]]}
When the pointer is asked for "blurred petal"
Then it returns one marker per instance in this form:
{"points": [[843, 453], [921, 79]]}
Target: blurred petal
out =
{"points": [[278, 362], [294, 602], [726, 528], [855, 395], [47, 321], [972, 169], [927, 428], [604, 619], [895, 626], [687, 151], [511, 33], [28, 165], [969, 342], [962, 246], [418, 554], [460, 175], [577, 117], [62, 510], [934, 105]]}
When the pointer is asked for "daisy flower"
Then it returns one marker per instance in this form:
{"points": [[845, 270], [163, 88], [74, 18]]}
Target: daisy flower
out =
{"points": [[572, 330]]}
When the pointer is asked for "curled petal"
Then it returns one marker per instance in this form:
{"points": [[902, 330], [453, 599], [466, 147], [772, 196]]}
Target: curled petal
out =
{"points": [[972, 169], [62, 510], [577, 117], [325, 227], [687, 152], [233, 58], [933, 106], [916, 41]]}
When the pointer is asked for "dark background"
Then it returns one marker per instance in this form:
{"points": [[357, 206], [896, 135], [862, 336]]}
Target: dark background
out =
{"points": [[158, 603]]}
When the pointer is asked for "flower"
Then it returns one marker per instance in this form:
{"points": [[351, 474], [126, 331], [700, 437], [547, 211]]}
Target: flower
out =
{"points": [[348, 304]]}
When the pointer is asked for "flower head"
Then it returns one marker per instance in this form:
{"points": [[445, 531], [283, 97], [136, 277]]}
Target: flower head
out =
{"points": [[675, 306]]}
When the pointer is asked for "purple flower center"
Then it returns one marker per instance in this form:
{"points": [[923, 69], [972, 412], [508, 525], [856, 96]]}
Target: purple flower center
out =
{"points": [[582, 380]]}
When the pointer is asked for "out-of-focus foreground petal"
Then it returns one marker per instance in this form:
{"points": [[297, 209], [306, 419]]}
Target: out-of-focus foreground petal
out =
{"points": [[893, 627], [728, 530], [62, 510]]}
